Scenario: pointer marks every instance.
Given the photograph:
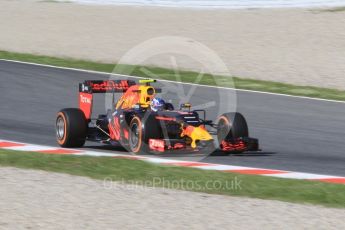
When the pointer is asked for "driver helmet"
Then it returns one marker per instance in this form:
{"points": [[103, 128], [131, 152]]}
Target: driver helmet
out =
{"points": [[157, 104]]}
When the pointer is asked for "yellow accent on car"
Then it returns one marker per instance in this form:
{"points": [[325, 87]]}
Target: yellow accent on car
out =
{"points": [[186, 105], [145, 81], [147, 94], [196, 134], [136, 94]]}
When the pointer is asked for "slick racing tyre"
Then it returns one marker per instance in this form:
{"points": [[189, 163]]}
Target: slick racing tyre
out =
{"points": [[140, 131], [230, 126], [135, 135], [71, 128]]}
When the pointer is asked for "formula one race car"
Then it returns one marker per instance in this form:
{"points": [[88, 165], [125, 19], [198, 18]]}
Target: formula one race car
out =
{"points": [[142, 123]]}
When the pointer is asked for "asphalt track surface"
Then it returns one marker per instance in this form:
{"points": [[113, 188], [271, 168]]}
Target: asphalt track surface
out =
{"points": [[295, 134]]}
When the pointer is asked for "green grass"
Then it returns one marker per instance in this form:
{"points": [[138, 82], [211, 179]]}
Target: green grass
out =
{"points": [[186, 76], [139, 172], [335, 9]]}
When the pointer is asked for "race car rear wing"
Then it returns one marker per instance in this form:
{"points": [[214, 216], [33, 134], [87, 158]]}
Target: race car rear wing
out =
{"points": [[107, 86], [89, 87]]}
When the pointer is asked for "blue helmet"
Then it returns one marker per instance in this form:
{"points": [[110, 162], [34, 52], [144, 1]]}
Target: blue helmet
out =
{"points": [[157, 104]]}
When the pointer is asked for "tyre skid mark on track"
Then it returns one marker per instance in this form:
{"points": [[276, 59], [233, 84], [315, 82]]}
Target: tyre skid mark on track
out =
{"points": [[11, 145]]}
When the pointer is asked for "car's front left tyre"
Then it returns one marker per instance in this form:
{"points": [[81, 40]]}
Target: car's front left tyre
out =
{"points": [[141, 130], [71, 128], [135, 135]]}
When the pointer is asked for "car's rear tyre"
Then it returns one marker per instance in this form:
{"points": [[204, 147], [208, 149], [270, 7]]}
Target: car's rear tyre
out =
{"points": [[71, 128]]}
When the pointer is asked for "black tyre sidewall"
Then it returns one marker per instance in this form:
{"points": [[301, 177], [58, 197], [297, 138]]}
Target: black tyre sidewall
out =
{"points": [[135, 120], [237, 126], [150, 128], [76, 127]]}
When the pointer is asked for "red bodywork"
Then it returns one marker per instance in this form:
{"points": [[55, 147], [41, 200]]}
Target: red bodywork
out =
{"points": [[85, 104], [160, 145], [238, 145]]}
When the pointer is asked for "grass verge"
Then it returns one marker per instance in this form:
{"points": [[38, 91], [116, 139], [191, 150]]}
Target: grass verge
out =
{"points": [[186, 76], [139, 172], [334, 9]]}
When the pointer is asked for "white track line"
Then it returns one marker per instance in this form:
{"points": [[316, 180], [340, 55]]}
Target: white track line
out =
{"points": [[31, 148], [222, 167], [160, 160], [303, 176], [185, 83], [96, 154]]}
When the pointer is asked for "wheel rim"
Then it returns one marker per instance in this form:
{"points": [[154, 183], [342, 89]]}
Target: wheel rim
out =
{"points": [[134, 140], [60, 128]]}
